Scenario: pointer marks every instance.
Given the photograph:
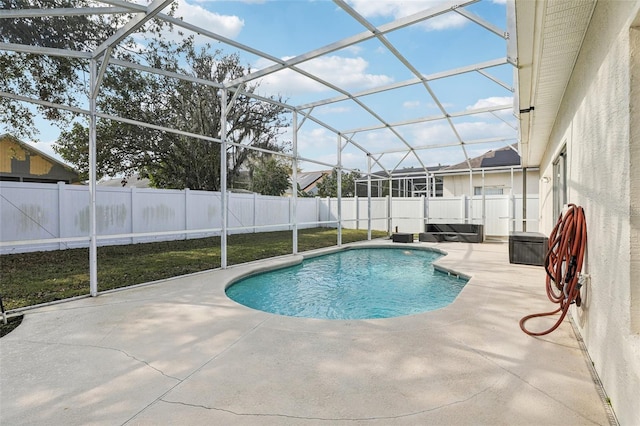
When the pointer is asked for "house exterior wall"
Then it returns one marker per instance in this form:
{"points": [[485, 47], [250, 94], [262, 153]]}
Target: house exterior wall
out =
{"points": [[595, 122], [19, 163], [458, 185]]}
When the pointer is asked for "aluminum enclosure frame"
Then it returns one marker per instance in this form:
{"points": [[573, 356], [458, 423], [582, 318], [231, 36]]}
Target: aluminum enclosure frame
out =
{"points": [[100, 58]]}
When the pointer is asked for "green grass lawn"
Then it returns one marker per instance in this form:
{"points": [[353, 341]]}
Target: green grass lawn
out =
{"points": [[32, 278]]}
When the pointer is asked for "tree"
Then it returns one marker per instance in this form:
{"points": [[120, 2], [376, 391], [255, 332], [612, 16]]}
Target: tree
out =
{"points": [[168, 159], [328, 187], [52, 78], [271, 177]]}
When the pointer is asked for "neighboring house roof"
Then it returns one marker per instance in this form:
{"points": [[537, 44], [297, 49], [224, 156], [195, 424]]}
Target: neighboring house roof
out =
{"points": [[502, 157], [309, 180], [408, 171], [22, 162], [130, 182]]}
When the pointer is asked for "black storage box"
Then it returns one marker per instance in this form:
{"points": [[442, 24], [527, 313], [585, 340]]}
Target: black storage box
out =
{"points": [[528, 248], [401, 237]]}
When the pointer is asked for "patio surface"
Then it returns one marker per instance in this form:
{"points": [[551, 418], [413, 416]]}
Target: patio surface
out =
{"points": [[180, 352]]}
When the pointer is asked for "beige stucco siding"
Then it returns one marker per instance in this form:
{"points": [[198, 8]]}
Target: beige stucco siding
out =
{"points": [[603, 159], [458, 185], [9, 150]]}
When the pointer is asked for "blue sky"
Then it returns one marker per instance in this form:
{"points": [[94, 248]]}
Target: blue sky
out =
{"points": [[285, 29]]}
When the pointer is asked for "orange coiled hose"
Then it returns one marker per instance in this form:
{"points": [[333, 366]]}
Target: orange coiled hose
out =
{"points": [[563, 264]]}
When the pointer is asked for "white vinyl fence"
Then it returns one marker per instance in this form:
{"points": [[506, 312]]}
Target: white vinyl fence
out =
{"points": [[502, 213], [33, 214]]}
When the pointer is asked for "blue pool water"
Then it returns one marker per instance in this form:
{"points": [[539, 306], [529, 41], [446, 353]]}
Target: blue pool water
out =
{"points": [[352, 284]]}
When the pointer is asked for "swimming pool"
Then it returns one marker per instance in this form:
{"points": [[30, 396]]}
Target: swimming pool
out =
{"points": [[358, 283]]}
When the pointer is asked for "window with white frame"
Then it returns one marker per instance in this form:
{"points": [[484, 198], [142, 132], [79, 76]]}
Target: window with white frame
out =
{"points": [[488, 190]]}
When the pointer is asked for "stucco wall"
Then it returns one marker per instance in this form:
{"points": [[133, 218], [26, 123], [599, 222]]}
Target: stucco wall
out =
{"points": [[603, 159], [458, 185]]}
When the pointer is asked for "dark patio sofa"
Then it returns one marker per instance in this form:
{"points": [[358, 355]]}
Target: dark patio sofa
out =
{"points": [[458, 232]]}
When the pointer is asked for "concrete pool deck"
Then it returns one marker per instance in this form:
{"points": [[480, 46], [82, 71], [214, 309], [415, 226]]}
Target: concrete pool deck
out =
{"points": [[181, 352]]}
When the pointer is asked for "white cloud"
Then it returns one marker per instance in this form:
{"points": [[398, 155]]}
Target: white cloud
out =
{"points": [[397, 9], [349, 161], [320, 144], [317, 144], [312, 141], [442, 134], [379, 141], [442, 156], [411, 104], [505, 114], [431, 134], [346, 72], [492, 101], [482, 130], [326, 110], [341, 71], [225, 25], [353, 49], [445, 22]]}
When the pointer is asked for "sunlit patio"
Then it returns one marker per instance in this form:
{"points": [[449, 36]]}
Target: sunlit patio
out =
{"points": [[181, 352]]}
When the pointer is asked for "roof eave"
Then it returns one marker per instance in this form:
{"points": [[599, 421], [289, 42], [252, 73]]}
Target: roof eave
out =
{"points": [[549, 36], [528, 29]]}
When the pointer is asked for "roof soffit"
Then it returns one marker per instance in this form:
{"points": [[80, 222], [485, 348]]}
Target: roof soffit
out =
{"points": [[550, 35]]}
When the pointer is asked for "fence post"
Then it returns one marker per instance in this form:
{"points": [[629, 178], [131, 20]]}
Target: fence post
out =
{"points": [[255, 210], [427, 209], [61, 189], [134, 205], [463, 206], [424, 212], [289, 201], [512, 211], [389, 211], [186, 212], [484, 205]]}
